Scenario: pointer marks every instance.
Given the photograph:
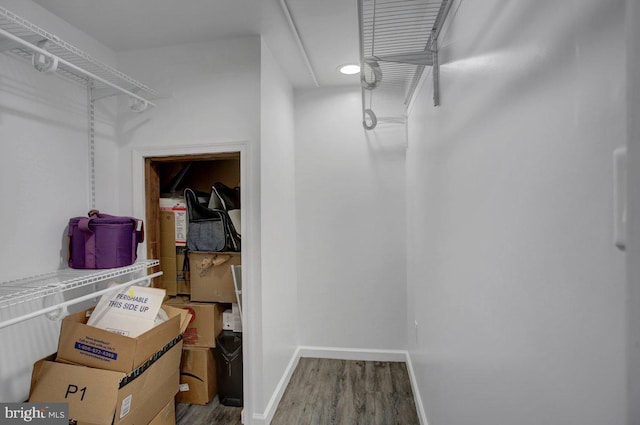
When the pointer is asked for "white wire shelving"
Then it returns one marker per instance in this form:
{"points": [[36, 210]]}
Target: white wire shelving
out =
{"points": [[48, 53], [398, 39], [50, 294], [65, 283]]}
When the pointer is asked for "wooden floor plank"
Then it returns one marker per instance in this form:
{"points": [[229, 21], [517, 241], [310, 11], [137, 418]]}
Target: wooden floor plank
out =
{"points": [[336, 392], [212, 413], [328, 392]]}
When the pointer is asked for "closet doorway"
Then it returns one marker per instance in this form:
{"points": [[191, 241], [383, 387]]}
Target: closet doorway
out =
{"points": [[165, 175]]}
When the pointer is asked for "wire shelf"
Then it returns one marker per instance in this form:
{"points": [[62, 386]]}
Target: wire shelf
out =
{"points": [[38, 287], [397, 41], [26, 39]]}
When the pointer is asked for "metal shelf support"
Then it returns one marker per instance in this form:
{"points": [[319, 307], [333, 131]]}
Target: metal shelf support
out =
{"points": [[49, 53], [395, 48], [38, 288], [63, 305]]}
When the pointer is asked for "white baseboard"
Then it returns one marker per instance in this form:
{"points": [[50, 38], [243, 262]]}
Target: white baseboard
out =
{"points": [[340, 354], [353, 354], [422, 416], [265, 418]]}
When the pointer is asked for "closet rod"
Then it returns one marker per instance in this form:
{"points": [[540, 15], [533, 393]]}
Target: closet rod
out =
{"points": [[65, 304], [72, 66]]}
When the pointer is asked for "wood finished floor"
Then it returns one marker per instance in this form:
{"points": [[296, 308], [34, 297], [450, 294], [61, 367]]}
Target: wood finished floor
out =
{"points": [[347, 392], [328, 392], [212, 413]]}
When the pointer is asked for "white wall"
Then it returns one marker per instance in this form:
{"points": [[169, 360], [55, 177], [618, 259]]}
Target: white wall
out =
{"points": [[350, 225], [278, 238], [211, 97], [513, 277], [44, 172], [217, 94], [633, 242]]}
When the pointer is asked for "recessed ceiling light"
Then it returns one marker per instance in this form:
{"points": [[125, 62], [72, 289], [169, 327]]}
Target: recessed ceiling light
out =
{"points": [[349, 69]]}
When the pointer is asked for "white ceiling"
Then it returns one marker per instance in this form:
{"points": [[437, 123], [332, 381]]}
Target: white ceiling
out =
{"points": [[328, 29]]}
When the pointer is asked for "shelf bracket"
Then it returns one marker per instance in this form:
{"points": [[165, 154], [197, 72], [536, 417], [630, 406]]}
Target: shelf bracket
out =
{"points": [[135, 104], [421, 58], [398, 40], [435, 73], [49, 62], [377, 75], [42, 62]]}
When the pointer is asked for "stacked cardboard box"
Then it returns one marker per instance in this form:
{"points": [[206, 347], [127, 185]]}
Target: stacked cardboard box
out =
{"points": [[107, 378], [197, 376], [211, 276], [206, 290], [166, 416], [205, 324], [197, 369], [173, 237]]}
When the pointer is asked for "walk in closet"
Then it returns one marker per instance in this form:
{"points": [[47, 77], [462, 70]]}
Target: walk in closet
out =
{"points": [[183, 277], [437, 189], [41, 299]]}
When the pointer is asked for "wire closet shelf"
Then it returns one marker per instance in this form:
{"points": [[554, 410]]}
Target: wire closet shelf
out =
{"points": [[398, 39], [48, 53], [63, 283]]}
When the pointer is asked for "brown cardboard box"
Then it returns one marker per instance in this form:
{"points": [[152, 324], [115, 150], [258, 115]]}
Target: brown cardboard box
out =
{"points": [[178, 231], [89, 346], [171, 256], [205, 324], [98, 397], [167, 416], [197, 376], [183, 276], [211, 278], [168, 280]]}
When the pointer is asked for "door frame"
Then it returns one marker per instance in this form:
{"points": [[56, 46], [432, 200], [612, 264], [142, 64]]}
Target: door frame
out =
{"points": [[250, 255]]}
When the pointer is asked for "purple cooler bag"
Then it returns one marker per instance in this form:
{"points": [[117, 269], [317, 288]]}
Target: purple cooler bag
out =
{"points": [[102, 241]]}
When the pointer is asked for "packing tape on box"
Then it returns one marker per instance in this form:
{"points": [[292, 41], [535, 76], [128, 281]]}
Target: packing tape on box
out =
{"points": [[146, 365]]}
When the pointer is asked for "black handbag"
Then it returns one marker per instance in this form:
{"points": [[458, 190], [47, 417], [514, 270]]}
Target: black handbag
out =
{"points": [[209, 229], [224, 197]]}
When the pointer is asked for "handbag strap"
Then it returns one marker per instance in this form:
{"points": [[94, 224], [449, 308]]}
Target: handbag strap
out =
{"points": [[138, 225], [90, 243]]}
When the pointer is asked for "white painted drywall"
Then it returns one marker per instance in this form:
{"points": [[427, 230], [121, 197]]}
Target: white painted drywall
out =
{"points": [[216, 94], [513, 277], [633, 223], [278, 225], [212, 96], [351, 231], [45, 181]]}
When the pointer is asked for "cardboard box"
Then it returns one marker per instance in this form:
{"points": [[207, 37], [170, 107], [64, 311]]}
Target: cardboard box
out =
{"points": [[182, 277], [168, 280], [172, 249], [178, 207], [197, 376], [105, 397], [211, 278], [205, 324], [85, 345], [167, 416]]}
